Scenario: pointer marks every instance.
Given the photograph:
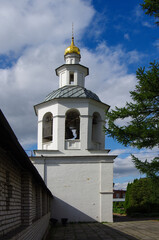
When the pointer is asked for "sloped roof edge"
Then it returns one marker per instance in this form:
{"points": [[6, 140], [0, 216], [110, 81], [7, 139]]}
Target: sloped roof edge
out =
{"points": [[10, 143]]}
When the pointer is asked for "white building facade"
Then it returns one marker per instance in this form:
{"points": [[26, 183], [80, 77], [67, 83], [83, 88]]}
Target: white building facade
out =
{"points": [[71, 155]]}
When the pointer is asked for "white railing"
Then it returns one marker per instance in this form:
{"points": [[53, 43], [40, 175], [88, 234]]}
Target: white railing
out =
{"points": [[72, 144]]}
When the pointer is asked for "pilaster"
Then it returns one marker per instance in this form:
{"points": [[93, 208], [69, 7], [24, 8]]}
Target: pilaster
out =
{"points": [[106, 192]]}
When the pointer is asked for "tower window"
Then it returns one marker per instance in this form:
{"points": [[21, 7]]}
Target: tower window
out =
{"points": [[71, 78], [47, 127]]}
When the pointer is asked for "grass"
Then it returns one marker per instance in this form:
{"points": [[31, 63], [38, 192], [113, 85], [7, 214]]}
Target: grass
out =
{"points": [[118, 207]]}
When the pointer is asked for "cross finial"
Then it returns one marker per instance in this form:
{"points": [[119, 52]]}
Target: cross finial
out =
{"points": [[72, 31]]}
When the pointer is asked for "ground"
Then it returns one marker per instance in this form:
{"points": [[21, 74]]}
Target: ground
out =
{"points": [[122, 229]]}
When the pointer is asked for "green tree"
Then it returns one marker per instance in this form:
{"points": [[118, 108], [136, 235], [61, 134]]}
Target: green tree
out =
{"points": [[152, 8], [142, 114], [142, 196]]}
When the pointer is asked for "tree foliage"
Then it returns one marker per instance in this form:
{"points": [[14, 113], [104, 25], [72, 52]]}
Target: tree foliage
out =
{"points": [[119, 207], [142, 196], [142, 129], [150, 168], [152, 8]]}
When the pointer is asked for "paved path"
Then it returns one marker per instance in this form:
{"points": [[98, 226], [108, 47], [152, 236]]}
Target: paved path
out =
{"points": [[131, 230]]}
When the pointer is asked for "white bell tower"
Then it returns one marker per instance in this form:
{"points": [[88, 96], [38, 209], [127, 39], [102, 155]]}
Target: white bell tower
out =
{"points": [[71, 117], [71, 155]]}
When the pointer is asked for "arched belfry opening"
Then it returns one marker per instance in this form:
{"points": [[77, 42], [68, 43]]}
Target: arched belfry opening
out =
{"points": [[96, 129], [72, 124], [47, 127]]}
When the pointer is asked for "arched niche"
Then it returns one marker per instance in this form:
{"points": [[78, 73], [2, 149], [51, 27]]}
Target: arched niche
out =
{"points": [[72, 124], [47, 127], [96, 128]]}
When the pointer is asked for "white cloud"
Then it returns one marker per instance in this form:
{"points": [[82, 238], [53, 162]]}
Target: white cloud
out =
{"points": [[147, 24], [30, 23], [126, 36], [124, 169], [138, 12], [156, 44], [109, 76], [135, 56], [141, 17], [120, 151], [37, 32], [147, 154], [119, 186]]}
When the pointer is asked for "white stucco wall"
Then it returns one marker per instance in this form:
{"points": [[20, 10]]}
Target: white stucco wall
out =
{"points": [[79, 72], [82, 187], [77, 190]]}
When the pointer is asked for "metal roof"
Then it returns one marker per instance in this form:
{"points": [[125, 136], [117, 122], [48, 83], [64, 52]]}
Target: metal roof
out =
{"points": [[70, 91]]}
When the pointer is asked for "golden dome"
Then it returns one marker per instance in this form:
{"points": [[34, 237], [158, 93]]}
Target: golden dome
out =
{"points": [[72, 48]]}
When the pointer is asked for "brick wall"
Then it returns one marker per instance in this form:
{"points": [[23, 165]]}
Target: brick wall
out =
{"points": [[24, 203], [24, 197], [35, 231], [10, 195]]}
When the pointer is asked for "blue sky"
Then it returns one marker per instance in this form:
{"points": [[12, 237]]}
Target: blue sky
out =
{"points": [[115, 38]]}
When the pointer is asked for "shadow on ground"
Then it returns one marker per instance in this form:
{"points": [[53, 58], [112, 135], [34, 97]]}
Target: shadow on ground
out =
{"points": [[86, 231]]}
